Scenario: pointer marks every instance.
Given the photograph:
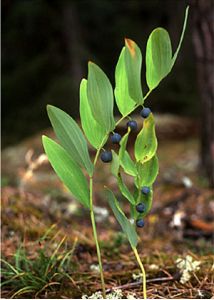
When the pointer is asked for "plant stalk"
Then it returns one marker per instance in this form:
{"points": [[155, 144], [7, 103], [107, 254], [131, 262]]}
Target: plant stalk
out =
{"points": [[142, 270], [93, 218], [96, 239]]}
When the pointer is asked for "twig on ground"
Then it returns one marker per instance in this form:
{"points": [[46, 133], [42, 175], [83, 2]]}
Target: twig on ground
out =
{"points": [[135, 284]]}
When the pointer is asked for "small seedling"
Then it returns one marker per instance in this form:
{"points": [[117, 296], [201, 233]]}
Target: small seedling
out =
{"points": [[26, 276], [145, 112], [96, 111]]}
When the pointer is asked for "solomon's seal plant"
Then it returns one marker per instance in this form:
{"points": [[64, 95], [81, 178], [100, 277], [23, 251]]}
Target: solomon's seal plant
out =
{"points": [[70, 156]]}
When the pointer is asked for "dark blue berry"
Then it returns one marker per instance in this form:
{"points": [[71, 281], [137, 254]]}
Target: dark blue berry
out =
{"points": [[106, 156], [140, 223], [115, 138], [140, 207], [145, 190], [145, 112], [132, 124]]}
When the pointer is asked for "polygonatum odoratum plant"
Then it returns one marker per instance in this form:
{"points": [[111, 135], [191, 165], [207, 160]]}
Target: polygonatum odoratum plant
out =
{"points": [[70, 157]]}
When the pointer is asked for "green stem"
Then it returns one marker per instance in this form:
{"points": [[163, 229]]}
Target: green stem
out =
{"points": [[142, 270], [136, 106], [123, 117], [147, 95], [93, 218], [95, 237]]}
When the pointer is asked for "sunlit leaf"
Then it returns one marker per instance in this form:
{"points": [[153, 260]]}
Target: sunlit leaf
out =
{"points": [[182, 36], [124, 102], [146, 142], [159, 60], [115, 164], [94, 132], [70, 137], [147, 172], [158, 57], [147, 200], [100, 97], [128, 228], [128, 165], [123, 144], [133, 60], [125, 160], [67, 170], [124, 189]]}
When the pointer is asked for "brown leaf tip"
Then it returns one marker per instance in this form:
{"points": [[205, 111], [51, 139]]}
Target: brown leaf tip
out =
{"points": [[131, 46]]}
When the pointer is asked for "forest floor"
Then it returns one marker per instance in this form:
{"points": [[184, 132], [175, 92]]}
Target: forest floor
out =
{"points": [[48, 249]]}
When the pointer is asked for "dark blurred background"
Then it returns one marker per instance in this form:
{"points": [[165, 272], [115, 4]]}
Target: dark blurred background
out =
{"points": [[46, 46]]}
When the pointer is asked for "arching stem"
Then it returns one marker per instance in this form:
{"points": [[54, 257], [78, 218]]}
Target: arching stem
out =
{"points": [[96, 239], [142, 270]]}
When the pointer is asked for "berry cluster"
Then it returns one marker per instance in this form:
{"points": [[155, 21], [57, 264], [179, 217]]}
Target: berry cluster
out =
{"points": [[106, 156], [140, 207]]}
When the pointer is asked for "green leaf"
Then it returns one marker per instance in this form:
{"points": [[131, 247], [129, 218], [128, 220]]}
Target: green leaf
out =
{"points": [[94, 132], [146, 142], [147, 172], [147, 200], [100, 97], [158, 57], [159, 60], [182, 36], [123, 144], [115, 164], [128, 165], [124, 102], [124, 189], [133, 60], [67, 170], [125, 160], [70, 137], [128, 228]]}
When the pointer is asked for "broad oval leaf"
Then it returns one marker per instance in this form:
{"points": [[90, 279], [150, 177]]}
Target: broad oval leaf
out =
{"points": [[133, 60], [147, 172], [124, 102], [70, 137], [95, 133], [158, 57], [128, 228], [159, 60], [146, 141], [100, 97], [124, 189], [67, 170]]}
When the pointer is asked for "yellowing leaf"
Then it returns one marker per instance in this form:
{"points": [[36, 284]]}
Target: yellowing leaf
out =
{"points": [[146, 142], [147, 172], [133, 60]]}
